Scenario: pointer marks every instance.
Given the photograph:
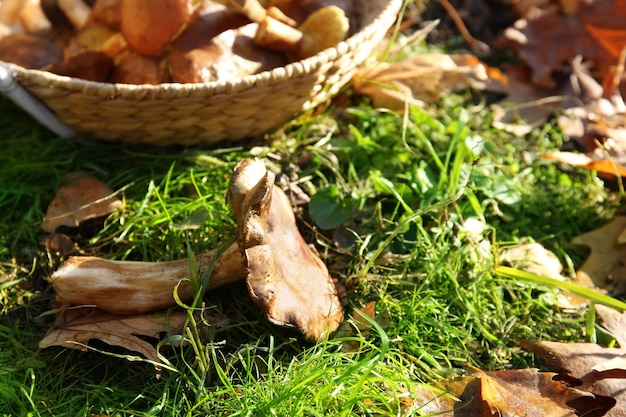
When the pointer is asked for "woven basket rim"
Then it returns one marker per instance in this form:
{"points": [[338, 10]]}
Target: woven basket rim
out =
{"points": [[175, 90]]}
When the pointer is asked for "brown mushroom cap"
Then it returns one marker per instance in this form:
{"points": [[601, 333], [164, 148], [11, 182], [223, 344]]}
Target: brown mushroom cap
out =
{"points": [[86, 64], [286, 279], [218, 45], [107, 12], [28, 51], [150, 25], [133, 68], [324, 28]]}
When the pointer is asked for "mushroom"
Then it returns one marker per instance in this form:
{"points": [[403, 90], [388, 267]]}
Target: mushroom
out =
{"points": [[323, 29], [10, 11], [87, 65], [150, 25], [271, 32], [299, 10], [76, 11], [57, 15], [107, 12], [285, 278], [33, 18], [137, 287], [133, 68], [90, 53], [218, 44], [28, 51]]}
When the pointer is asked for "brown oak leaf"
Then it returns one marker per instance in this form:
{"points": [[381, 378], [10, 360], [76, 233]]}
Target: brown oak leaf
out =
{"points": [[593, 368], [596, 31], [604, 268], [425, 78], [81, 197], [527, 392], [77, 326], [524, 392]]}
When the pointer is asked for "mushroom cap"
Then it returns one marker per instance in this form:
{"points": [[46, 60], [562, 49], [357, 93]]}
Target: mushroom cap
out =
{"points": [[285, 278], [150, 25], [29, 51]]}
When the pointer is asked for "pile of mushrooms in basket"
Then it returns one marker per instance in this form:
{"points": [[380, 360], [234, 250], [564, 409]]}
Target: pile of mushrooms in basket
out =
{"points": [[159, 41], [284, 276]]}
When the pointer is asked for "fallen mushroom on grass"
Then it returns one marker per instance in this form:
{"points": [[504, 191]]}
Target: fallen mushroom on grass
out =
{"points": [[285, 278]]}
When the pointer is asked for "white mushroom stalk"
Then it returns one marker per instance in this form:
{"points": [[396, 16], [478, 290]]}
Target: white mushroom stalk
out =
{"points": [[135, 287], [10, 11]]}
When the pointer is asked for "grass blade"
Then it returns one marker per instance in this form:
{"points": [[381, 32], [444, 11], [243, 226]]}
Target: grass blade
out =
{"points": [[589, 294]]}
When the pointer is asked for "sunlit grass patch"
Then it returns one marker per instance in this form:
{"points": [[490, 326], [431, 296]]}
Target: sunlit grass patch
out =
{"points": [[392, 198]]}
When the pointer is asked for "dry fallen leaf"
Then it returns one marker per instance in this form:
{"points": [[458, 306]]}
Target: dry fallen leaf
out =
{"points": [[604, 268], [604, 138], [595, 369], [425, 78], [546, 41], [81, 197], [534, 258], [599, 161], [359, 323], [525, 392], [526, 105], [77, 326]]}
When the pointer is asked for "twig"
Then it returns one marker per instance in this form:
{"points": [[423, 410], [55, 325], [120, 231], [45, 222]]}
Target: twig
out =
{"points": [[474, 44]]}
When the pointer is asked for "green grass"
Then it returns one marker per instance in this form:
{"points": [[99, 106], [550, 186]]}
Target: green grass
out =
{"points": [[390, 194]]}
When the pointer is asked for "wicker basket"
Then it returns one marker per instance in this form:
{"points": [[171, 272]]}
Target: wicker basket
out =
{"points": [[208, 112]]}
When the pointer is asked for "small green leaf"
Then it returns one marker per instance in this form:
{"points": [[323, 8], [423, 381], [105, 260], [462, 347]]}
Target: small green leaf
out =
{"points": [[328, 210]]}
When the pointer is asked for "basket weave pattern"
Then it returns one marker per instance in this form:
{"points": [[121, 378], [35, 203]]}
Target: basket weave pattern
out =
{"points": [[210, 112]]}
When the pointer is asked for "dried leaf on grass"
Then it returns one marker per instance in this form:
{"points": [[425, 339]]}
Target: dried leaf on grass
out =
{"points": [[534, 258], [525, 392], [526, 105], [360, 323], [81, 197], [425, 78], [599, 160], [606, 146], [593, 368], [586, 378], [546, 40], [77, 326], [604, 268]]}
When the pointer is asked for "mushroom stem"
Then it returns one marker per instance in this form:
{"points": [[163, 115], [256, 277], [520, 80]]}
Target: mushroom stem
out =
{"points": [[277, 35], [134, 287], [251, 8], [10, 11], [271, 33], [76, 11], [33, 18]]}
